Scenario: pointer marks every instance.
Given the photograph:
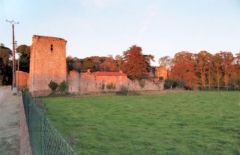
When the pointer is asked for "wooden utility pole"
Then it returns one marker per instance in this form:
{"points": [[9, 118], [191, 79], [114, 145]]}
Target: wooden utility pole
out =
{"points": [[13, 23]]}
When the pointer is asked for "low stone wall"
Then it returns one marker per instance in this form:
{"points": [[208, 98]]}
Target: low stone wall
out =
{"points": [[145, 85], [88, 83], [96, 82], [73, 80]]}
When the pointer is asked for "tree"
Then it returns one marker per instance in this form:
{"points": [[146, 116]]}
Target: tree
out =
{"points": [[235, 78], [227, 58], [109, 64], [91, 63], [217, 62], [234, 81], [74, 64], [94, 63], [5, 65], [24, 59], [165, 61], [210, 70], [204, 67], [184, 69], [134, 64], [148, 59], [5, 54], [119, 61]]}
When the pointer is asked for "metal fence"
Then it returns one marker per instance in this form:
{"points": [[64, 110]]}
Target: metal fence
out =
{"points": [[44, 138]]}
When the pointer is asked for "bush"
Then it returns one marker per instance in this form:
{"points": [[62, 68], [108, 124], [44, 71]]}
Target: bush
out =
{"points": [[123, 91], [168, 84], [102, 86], [179, 84], [161, 78], [63, 87], [111, 86], [53, 86], [141, 83]]}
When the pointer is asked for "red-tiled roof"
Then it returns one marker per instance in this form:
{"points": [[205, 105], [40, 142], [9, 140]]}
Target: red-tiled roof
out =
{"points": [[109, 74]]}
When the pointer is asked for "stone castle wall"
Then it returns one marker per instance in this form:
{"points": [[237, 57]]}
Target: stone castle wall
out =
{"points": [[84, 83], [161, 72], [47, 62], [21, 79], [73, 80]]}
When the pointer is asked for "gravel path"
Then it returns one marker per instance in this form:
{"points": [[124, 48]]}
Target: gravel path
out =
{"points": [[9, 122]]}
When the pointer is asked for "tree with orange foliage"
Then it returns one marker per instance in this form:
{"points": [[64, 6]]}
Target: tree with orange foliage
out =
{"points": [[134, 64], [109, 64], [235, 77], [165, 61], [204, 66], [227, 58], [210, 70], [184, 69], [223, 62], [217, 62]]}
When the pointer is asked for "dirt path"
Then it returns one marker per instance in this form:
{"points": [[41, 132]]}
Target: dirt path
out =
{"points": [[9, 122]]}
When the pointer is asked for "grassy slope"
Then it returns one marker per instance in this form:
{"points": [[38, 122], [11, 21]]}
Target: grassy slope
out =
{"points": [[177, 123]]}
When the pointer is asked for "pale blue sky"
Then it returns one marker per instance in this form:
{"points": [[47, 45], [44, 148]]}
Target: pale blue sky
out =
{"points": [[103, 27]]}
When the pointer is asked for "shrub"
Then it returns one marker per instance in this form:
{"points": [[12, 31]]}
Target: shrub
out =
{"points": [[161, 78], [123, 91], [102, 86], [63, 87], [111, 86], [53, 86], [179, 84], [168, 84], [141, 83]]}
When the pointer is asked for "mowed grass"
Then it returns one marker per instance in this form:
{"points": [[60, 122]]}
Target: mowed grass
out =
{"points": [[171, 123]]}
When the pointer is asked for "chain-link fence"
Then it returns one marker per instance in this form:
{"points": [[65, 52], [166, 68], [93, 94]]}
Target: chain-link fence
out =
{"points": [[44, 138]]}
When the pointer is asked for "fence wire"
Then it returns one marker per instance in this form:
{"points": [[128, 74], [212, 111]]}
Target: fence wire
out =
{"points": [[44, 138]]}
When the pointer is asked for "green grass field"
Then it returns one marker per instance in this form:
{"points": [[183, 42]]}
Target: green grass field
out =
{"points": [[171, 123]]}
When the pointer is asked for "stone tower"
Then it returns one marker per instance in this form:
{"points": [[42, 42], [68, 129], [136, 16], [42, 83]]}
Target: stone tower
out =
{"points": [[47, 62]]}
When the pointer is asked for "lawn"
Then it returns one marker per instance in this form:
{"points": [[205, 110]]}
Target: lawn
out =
{"points": [[170, 123]]}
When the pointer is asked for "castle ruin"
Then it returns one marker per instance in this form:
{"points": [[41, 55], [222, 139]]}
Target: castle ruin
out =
{"points": [[47, 62]]}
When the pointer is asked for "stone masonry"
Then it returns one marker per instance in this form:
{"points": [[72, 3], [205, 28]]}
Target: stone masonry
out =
{"points": [[47, 62]]}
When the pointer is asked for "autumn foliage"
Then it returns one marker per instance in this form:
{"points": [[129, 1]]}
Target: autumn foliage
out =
{"points": [[206, 71], [134, 63], [201, 70]]}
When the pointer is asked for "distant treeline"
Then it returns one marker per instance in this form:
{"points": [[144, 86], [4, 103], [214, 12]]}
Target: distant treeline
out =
{"points": [[5, 65], [132, 62], [205, 70], [6, 62], [189, 70]]}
